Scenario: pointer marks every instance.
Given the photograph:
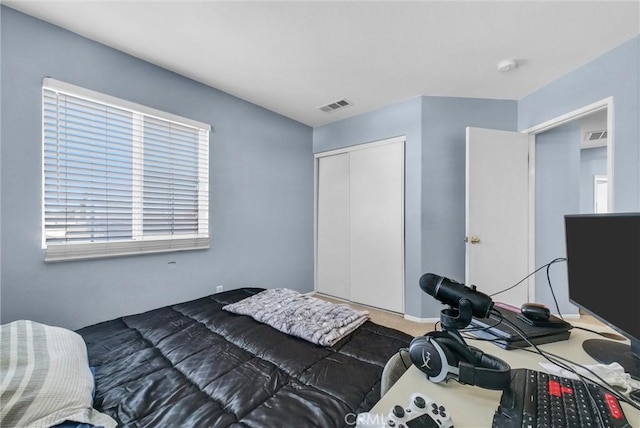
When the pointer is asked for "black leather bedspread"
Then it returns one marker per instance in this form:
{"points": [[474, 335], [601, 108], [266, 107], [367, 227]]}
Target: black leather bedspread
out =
{"points": [[195, 365]]}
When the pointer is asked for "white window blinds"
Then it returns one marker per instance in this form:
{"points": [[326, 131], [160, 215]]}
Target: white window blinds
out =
{"points": [[120, 178]]}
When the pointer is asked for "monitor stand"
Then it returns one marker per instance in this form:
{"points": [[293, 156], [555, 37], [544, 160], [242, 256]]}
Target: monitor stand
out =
{"points": [[607, 352]]}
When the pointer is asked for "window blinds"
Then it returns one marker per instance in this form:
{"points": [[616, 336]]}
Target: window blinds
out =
{"points": [[120, 178]]}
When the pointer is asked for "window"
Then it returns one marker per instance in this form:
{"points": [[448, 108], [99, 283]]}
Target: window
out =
{"points": [[120, 178]]}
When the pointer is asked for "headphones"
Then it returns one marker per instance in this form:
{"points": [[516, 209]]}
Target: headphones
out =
{"points": [[443, 355]]}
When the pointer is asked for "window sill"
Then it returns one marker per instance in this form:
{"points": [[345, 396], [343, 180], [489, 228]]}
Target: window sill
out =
{"points": [[55, 253]]}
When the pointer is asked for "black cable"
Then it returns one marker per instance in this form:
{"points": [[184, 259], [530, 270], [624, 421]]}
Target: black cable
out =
{"points": [[555, 300], [581, 377], [551, 288], [587, 329], [562, 365], [406, 350], [605, 385], [559, 259], [478, 328]]}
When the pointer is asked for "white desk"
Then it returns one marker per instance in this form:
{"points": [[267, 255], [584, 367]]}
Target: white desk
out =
{"points": [[471, 406]]}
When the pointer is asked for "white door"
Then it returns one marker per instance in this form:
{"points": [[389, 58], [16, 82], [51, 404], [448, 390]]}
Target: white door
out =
{"points": [[360, 224], [333, 249], [377, 226], [497, 213]]}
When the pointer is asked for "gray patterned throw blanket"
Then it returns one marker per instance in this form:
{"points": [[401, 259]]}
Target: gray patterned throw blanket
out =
{"points": [[309, 318]]}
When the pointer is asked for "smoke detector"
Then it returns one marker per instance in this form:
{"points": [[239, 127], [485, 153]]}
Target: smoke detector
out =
{"points": [[506, 65]]}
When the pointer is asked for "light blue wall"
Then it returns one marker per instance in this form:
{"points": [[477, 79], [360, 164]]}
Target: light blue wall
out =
{"points": [[261, 187], [615, 74], [557, 184], [434, 181]]}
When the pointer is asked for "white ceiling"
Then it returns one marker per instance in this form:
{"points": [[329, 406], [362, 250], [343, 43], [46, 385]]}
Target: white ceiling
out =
{"points": [[294, 56]]}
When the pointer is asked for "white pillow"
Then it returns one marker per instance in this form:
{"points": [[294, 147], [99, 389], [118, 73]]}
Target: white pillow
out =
{"points": [[45, 377]]}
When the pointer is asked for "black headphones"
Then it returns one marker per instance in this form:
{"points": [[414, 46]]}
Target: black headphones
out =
{"points": [[443, 355]]}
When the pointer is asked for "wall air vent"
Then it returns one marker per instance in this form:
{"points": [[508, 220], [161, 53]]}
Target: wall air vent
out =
{"points": [[594, 139], [596, 135], [335, 105]]}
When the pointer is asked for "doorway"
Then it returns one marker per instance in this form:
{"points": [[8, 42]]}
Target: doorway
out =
{"points": [[571, 158], [554, 150]]}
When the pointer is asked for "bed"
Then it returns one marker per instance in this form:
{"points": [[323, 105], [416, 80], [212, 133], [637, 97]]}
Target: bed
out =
{"points": [[196, 365]]}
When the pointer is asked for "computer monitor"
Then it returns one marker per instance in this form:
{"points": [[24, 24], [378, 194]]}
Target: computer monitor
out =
{"points": [[603, 266]]}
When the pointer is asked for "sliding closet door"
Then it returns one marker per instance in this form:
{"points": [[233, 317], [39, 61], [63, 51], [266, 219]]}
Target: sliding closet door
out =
{"points": [[377, 226], [333, 254]]}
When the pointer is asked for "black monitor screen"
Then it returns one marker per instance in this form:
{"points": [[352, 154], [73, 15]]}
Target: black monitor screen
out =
{"points": [[603, 266]]}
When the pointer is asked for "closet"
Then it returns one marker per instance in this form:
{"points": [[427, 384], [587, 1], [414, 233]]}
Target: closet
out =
{"points": [[360, 224]]}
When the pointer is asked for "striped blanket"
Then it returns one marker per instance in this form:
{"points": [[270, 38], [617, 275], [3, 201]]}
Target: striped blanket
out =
{"points": [[309, 318], [45, 377]]}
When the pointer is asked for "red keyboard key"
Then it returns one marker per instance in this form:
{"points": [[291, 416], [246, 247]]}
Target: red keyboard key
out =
{"points": [[567, 390], [554, 388], [615, 409]]}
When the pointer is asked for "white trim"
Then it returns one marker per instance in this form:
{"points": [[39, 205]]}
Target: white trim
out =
{"points": [[97, 250], [531, 283], [570, 316], [421, 320], [363, 146], [43, 240], [568, 117], [610, 153], [599, 179], [78, 91], [315, 223]]}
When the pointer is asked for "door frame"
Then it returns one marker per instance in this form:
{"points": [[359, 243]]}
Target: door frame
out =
{"points": [[606, 103], [316, 162]]}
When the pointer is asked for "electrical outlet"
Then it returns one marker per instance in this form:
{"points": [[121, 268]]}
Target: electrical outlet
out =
{"points": [[219, 288]]}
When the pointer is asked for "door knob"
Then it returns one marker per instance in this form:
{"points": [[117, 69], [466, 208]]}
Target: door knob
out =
{"points": [[474, 239]]}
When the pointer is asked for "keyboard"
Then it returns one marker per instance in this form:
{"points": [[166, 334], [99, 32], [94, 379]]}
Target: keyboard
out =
{"points": [[540, 400]]}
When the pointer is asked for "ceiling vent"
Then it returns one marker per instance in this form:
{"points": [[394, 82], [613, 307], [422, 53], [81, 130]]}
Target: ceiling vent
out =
{"points": [[335, 105]]}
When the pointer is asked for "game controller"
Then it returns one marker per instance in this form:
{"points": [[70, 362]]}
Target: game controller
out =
{"points": [[422, 412]]}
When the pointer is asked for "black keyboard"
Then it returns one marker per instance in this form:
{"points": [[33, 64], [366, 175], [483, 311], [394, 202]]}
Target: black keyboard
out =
{"points": [[540, 400]]}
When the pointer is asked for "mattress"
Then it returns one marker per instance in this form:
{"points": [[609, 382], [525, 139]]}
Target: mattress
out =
{"points": [[195, 365]]}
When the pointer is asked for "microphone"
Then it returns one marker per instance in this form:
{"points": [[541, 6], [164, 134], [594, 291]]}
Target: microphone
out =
{"points": [[451, 293]]}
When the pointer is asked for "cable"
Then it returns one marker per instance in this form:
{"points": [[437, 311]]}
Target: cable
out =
{"points": [[551, 288], [478, 328], [406, 351], [546, 354], [559, 259], [581, 377], [586, 329], [569, 368]]}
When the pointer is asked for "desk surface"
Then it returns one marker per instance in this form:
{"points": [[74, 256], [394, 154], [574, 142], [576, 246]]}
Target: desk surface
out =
{"points": [[471, 406]]}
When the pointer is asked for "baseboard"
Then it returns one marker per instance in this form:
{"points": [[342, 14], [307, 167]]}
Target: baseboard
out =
{"points": [[421, 320], [570, 316]]}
